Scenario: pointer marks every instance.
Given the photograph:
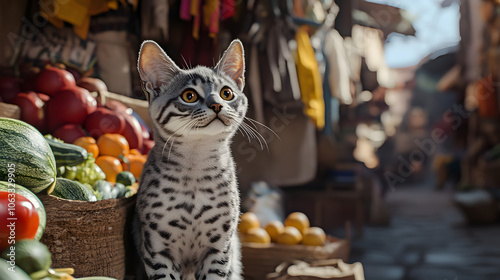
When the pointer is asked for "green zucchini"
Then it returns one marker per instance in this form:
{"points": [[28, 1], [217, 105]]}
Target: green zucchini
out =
{"points": [[73, 190], [42, 217], [67, 154], [12, 272], [26, 156]]}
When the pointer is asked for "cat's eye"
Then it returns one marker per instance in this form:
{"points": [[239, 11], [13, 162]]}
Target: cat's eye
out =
{"points": [[189, 96], [226, 94]]}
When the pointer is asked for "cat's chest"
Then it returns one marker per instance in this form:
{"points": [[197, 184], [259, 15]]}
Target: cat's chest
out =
{"points": [[189, 198]]}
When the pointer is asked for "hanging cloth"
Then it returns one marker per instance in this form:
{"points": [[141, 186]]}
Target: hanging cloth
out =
{"points": [[339, 70], [154, 20], [212, 11], [310, 79]]}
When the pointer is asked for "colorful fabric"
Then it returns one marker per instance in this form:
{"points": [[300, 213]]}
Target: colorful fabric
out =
{"points": [[310, 79], [78, 13], [212, 11]]}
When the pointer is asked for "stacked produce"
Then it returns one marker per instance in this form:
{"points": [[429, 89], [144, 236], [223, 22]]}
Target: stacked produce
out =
{"points": [[26, 257], [92, 150], [91, 138], [295, 230]]}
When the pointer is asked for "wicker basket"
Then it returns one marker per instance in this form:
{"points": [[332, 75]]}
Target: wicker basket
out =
{"points": [[262, 259], [90, 237]]}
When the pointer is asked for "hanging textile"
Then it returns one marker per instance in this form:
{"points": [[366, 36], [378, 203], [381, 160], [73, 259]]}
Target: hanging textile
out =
{"points": [[275, 100], [339, 71], [155, 17], [212, 11], [78, 12], [369, 41], [310, 79]]}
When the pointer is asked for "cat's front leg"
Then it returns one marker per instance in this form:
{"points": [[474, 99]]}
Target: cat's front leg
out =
{"points": [[222, 265], [158, 265], [160, 268], [215, 267]]}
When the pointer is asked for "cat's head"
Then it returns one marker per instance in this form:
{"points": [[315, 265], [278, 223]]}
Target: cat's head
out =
{"points": [[195, 102]]}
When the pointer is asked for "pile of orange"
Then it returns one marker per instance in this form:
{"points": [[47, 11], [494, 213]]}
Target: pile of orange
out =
{"points": [[113, 154], [295, 230]]}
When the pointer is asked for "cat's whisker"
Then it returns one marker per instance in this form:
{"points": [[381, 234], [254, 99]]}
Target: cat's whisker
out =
{"points": [[240, 129], [254, 122], [255, 133], [173, 140]]}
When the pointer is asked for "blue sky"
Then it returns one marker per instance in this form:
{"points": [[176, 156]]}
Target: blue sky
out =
{"points": [[436, 28]]}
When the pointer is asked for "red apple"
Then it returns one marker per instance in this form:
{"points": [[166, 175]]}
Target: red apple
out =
{"points": [[92, 84], [69, 132], [52, 80], [69, 106], [133, 132], [31, 109], [74, 72], [44, 97], [148, 145], [103, 121], [116, 105]]}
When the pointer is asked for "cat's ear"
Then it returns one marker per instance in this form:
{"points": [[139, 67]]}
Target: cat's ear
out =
{"points": [[232, 63], [155, 68]]}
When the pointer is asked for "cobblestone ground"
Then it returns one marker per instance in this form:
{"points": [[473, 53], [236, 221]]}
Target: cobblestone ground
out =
{"points": [[427, 239]]}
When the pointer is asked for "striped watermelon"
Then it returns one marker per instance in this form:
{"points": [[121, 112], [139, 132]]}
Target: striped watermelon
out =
{"points": [[24, 149]]}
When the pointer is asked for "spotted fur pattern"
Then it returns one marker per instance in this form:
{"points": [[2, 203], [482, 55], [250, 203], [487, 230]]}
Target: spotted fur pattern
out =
{"points": [[188, 200]]}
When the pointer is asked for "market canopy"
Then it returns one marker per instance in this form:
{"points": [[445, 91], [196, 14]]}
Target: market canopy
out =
{"points": [[384, 17]]}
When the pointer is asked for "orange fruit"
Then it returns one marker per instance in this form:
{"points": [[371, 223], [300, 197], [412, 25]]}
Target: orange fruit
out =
{"points": [[314, 236], [248, 221], [111, 144], [274, 229], [135, 164], [110, 165], [289, 236], [257, 235], [135, 152], [298, 220], [89, 144]]}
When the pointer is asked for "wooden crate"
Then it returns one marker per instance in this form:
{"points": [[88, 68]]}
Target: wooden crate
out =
{"points": [[10, 111], [261, 259]]}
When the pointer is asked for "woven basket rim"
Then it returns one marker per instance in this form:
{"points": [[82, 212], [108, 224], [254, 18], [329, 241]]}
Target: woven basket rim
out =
{"points": [[78, 205]]}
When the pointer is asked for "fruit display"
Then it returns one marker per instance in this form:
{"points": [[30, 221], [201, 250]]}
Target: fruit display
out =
{"points": [[295, 230], [88, 137], [67, 106], [40, 168]]}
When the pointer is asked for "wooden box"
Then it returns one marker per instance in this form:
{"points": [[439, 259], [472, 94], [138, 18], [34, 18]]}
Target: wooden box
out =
{"points": [[261, 259]]}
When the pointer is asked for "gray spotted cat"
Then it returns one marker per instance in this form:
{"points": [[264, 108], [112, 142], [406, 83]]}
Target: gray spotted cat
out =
{"points": [[188, 200]]}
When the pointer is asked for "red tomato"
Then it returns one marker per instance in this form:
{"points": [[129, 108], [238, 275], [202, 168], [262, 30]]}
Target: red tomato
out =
{"points": [[19, 219]]}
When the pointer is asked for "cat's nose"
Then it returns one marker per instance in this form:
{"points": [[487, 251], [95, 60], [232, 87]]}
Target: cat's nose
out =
{"points": [[216, 107]]}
